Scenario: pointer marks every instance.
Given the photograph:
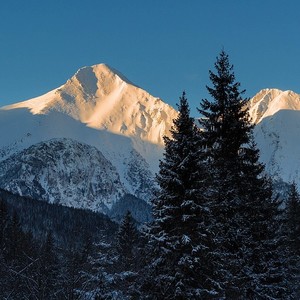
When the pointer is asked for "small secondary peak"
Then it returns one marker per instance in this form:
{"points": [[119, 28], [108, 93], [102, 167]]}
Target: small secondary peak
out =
{"points": [[269, 101]]}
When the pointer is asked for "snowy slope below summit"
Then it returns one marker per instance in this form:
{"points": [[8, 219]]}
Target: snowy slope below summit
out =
{"points": [[278, 138], [277, 132], [30, 130]]}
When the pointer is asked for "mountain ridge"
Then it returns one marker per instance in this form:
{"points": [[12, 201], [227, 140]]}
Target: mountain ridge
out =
{"points": [[100, 107]]}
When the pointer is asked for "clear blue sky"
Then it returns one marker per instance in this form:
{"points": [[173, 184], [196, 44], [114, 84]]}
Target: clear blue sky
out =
{"points": [[164, 46]]}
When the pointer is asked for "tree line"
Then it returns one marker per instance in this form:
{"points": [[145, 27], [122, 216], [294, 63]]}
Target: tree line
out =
{"points": [[217, 230]]}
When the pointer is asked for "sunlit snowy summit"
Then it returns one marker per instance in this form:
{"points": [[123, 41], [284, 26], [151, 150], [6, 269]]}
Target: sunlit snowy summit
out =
{"points": [[95, 142], [102, 98]]}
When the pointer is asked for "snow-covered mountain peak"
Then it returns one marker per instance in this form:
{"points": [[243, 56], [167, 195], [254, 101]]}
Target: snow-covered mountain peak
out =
{"points": [[269, 101], [102, 98], [97, 80]]}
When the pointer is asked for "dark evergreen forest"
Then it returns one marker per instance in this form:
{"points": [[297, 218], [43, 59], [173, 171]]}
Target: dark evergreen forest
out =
{"points": [[216, 230]]}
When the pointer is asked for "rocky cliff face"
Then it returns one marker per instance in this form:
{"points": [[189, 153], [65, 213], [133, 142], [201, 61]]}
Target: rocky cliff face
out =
{"points": [[63, 171]]}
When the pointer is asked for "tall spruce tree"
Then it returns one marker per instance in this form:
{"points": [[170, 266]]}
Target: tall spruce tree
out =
{"points": [[244, 213], [181, 264]]}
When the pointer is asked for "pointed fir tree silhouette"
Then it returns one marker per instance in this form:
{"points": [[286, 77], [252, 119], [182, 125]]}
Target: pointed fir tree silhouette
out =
{"points": [[244, 212], [181, 263]]}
